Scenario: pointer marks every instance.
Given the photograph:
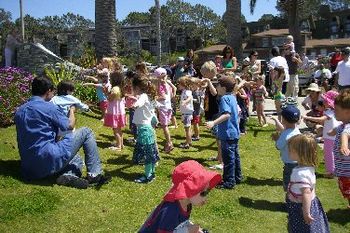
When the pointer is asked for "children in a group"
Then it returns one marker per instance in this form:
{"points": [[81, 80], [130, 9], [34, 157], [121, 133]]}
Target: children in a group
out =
{"points": [[64, 99], [305, 212], [115, 116], [191, 185], [145, 149], [285, 130], [165, 90], [341, 149], [186, 108], [259, 95], [102, 85], [329, 124], [228, 133]]}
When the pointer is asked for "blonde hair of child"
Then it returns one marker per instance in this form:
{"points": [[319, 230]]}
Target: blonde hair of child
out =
{"points": [[209, 69], [290, 38], [343, 99], [186, 82], [305, 146], [115, 93], [112, 63]]}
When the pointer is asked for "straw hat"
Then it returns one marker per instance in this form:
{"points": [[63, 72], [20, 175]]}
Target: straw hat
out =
{"points": [[313, 87]]}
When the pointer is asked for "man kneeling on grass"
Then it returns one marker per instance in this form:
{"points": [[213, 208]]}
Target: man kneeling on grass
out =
{"points": [[42, 154]]}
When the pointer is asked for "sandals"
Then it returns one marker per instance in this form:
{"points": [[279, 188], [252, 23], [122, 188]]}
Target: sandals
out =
{"points": [[184, 146], [168, 149]]}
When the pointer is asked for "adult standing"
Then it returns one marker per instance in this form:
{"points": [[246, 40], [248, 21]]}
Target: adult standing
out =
{"points": [[10, 48], [343, 70], [293, 61], [229, 61], [278, 61], [189, 69], [254, 64], [42, 153], [335, 59]]}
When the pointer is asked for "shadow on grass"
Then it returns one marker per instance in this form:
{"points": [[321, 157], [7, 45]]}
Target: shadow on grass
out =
{"points": [[120, 172], [87, 114], [181, 159], [262, 204], [261, 182], [12, 168], [340, 216]]}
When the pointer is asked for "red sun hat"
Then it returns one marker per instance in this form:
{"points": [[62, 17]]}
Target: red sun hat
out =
{"points": [[190, 178], [329, 97]]}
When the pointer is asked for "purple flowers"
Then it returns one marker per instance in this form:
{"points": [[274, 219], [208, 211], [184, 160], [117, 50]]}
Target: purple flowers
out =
{"points": [[14, 91]]}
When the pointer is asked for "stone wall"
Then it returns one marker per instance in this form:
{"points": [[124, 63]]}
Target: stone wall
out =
{"points": [[33, 58]]}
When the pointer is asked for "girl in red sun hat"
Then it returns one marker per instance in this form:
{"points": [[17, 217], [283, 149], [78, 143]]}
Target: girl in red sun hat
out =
{"points": [[191, 185]]}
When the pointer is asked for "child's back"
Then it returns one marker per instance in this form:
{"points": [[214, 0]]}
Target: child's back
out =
{"points": [[64, 102]]}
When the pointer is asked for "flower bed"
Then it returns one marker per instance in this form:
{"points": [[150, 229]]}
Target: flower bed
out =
{"points": [[14, 91]]}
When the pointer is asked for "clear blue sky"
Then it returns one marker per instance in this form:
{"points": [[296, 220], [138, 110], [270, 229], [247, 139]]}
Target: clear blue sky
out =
{"points": [[86, 8]]}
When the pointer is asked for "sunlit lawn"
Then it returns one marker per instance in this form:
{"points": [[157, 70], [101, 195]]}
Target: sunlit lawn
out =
{"points": [[122, 206]]}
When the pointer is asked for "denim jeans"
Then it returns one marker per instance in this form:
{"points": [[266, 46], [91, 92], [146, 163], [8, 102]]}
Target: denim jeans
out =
{"points": [[83, 137], [232, 163], [287, 171]]}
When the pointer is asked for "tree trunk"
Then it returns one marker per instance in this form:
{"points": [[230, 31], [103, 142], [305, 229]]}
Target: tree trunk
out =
{"points": [[159, 38], [293, 22], [105, 26], [233, 22]]}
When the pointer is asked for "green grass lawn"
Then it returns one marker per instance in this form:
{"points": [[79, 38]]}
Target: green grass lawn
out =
{"points": [[122, 205]]}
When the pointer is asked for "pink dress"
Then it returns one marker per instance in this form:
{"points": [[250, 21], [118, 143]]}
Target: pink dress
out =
{"points": [[115, 115]]}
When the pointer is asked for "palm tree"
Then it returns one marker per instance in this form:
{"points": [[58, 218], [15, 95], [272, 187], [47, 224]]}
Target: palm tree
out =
{"points": [[233, 24], [159, 43], [105, 24]]}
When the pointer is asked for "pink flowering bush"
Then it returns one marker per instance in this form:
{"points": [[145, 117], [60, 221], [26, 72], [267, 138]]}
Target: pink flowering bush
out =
{"points": [[14, 91]]}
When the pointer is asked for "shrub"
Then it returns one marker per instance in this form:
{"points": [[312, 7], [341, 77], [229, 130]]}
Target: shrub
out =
{"points": [[14, 91], [60, 72], [85, 93]]}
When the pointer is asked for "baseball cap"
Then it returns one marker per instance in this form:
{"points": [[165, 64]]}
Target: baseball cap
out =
{"points": [[291, 113]]}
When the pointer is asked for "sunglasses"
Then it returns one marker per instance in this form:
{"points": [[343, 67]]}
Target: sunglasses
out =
{"points": [[255, 55], [204, 193]]}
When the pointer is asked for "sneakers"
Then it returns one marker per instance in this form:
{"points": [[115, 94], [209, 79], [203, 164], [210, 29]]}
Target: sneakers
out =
{"points": [[195, 139], [98, 180], [144, 180], [217, 167], [72, 181], [224, 186]]}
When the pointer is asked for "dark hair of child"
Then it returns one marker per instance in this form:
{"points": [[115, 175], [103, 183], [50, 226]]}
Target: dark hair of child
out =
{"points": [[145, 85], [343, 99], [280, 70], [64, 87], [227, 82]]}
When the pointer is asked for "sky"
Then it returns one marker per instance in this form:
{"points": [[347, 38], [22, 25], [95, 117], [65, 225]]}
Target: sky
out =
{"points": [[86, 8]]}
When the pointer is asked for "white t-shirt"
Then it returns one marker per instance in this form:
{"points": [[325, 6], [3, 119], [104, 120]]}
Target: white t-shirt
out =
{"points": [[188, 108], [326, 72], [144, 110], [343, 69], [301, 177], [280, 61], [330, 123]]}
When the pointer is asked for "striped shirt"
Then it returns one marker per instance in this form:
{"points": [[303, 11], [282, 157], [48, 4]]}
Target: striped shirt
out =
{"points": [[342, 163]]}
